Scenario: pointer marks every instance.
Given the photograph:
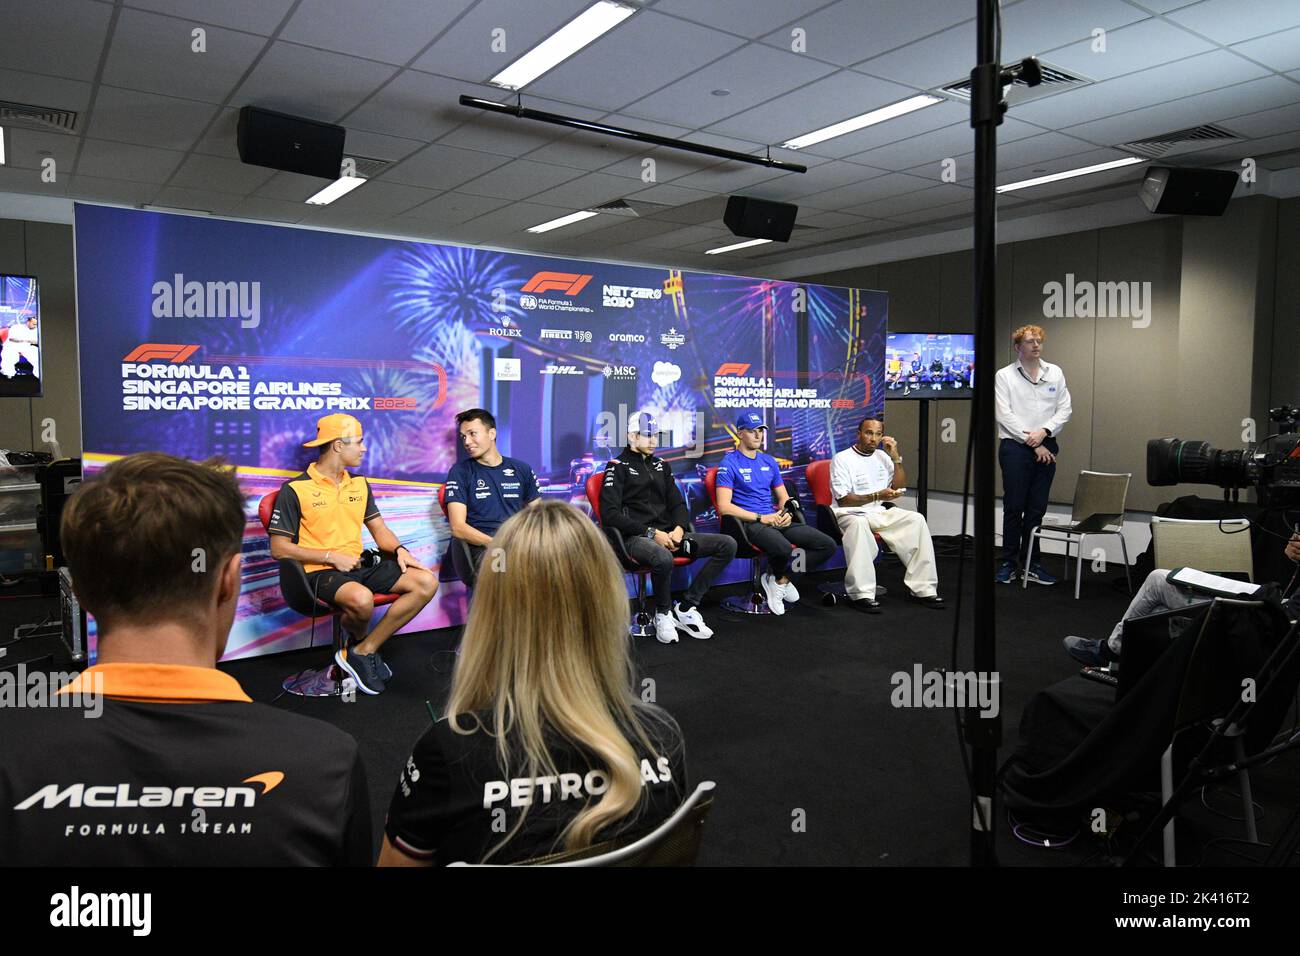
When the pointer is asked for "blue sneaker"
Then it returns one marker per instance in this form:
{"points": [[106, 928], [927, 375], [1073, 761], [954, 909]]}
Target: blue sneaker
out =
{"points": [[1006, 573], [1037, 574]]}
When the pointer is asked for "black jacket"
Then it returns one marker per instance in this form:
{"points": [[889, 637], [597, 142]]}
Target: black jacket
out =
{"points": [[639, 493]]}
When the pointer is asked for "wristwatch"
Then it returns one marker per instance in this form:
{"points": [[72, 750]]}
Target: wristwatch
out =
{"points": [[650, 533]]}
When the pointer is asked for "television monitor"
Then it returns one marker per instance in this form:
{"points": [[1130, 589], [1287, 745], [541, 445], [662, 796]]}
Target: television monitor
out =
{"points": [[929, 365], [20, 337]]}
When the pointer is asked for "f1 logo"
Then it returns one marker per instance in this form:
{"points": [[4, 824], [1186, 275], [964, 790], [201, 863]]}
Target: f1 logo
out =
{"points": [[568, 283], [151, 351], [732, 368]]}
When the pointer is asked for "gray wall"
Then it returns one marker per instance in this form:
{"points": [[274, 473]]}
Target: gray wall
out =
{"points": [[1221, 345], [44, 250]]}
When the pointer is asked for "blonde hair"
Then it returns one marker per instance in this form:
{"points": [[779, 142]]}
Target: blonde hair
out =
{"points": [[1024, 330], [545, 647]]}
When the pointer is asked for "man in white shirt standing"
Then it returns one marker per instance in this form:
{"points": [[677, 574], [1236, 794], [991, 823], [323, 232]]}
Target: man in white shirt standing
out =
{"points": [[21, 343], [1033, 405], [863, 477]]}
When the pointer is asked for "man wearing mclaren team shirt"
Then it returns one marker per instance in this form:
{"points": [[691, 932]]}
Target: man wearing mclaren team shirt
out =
{"points": [[317, 520], [181, 768]]}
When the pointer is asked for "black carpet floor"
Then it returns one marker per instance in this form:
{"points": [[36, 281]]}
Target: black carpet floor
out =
{"points": [[792, 717]]}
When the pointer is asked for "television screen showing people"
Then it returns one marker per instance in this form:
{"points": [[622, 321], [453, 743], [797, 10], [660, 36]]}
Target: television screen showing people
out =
{"points": [[20, 336], [926, 365]]}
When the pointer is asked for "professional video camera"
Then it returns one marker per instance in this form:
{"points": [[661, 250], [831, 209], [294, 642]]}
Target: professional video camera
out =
{"points": [[1275, 474]]}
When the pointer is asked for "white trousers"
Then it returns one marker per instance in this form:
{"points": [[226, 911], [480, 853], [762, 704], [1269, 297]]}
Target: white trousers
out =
{"points": [[11, 352], [907, 535]]}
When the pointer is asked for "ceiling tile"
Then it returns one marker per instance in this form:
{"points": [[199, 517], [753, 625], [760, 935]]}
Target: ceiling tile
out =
{"points": [[470, 48], [586, 191], [1266, 122], [1281, 51], [851, 31], [1231, 21], [820, 103], [338, 82], [443, 167], [220, 139], [677, 48], [749, 18], [62, 37], [1172, 81], [453, 207], [223, 175], [253, 16], [154, 53], [362, 142], [631, 230], [289, 187], [1209, 107], [896, 207], [138, 164], [793, 186], [668, 195], [586, 151], [932, 147], [1035, 26], [1129, 49], [25, 148], [220, 204], [392, 31], [418, 106], [28, 182], [48, 91], [130, 116], [879, 187], [272, 210], [936, 116], [501, 225], [380, 200], [111, 190], [518, 179], [509, 135], [754, 75]]}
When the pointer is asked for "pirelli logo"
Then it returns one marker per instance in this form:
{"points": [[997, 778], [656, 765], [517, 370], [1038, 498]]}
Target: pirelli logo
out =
{"points": [[156, 351], [566, 283]]}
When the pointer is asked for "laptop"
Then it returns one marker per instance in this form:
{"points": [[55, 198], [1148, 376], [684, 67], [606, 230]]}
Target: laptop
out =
{"points": [[1146, 638]]}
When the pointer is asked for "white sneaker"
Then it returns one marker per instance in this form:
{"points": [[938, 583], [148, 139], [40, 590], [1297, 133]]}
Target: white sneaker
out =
{"points": [[665, 629], [789, 593], [774, 593], [691, 622]]}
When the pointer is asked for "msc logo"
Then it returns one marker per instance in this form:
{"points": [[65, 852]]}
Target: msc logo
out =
{"points": [[566, 283], [620, 372], [151, 351], [528, 302], [732, 368]]}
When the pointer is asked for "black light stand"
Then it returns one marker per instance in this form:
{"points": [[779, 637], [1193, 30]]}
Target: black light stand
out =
{"points": [[984, 734]]}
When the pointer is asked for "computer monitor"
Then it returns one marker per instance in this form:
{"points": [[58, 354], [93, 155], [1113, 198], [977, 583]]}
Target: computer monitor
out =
{"points": [[20, 337], [929, 365]]}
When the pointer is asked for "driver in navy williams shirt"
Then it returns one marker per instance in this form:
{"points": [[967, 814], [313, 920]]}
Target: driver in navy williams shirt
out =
{"points": [[486, 488]]}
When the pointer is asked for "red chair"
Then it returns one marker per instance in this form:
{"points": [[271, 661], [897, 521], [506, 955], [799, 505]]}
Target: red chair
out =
{"points": [[322, 681], [642, 624], [819, 482], [756, 603], [4, 335], [462, 558]]}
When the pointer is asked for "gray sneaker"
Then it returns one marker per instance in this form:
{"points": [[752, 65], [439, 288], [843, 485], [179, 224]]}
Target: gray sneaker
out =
{"points": [[363, 668], [385, 671]]}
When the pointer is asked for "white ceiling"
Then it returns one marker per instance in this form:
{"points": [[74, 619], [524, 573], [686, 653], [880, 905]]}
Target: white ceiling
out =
{"points": [[156, 120]]}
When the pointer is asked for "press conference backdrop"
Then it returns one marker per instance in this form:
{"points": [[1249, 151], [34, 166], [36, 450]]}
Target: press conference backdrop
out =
{"points": [[203, 337]]}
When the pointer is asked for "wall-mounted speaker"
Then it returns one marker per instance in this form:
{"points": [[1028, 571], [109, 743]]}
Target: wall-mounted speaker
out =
{"points": [[759, 218], [290, 143], [1187, 192]]}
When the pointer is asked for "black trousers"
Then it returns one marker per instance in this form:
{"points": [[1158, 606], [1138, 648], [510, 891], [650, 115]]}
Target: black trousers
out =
{"points": [[775, 542], [720, 549], [1026, 483]]}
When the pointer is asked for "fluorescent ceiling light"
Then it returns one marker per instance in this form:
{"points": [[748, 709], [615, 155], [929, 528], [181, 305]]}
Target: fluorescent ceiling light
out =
{"points": [[863, 121], [2, 145], [563, 221], [1071, 173], [737, 245], [335, 190], [588, 26]]}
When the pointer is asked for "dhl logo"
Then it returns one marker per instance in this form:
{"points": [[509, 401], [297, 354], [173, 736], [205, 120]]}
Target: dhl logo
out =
{"points": [[151, 351], [568, 283], [732, 368]]}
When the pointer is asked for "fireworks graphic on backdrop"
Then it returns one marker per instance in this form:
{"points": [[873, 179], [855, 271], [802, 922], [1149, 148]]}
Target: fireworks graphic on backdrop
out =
{"points": [[433, 287], [388, 434]]}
